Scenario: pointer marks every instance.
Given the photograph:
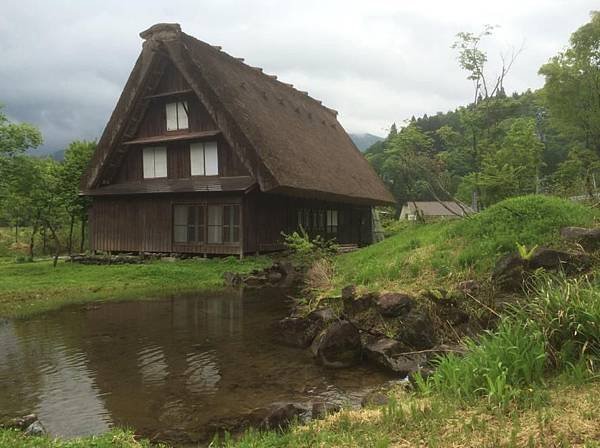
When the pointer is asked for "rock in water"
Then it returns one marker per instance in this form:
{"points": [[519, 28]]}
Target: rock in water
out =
{"points": [[280, 415], [338, 345], [394, 304], [388, 354], [296, 331], [301, 331], [321, 409], [35, 429]]}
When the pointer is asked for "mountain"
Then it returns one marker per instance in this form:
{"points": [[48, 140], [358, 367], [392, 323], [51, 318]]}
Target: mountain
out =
{"points": [[363, 141]]}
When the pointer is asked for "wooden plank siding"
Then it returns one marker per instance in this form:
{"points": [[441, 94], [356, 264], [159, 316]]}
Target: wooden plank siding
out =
{"points": [[145, 223]]}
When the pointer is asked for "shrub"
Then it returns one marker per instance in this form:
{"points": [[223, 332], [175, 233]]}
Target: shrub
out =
{"points": [[305, 251]]}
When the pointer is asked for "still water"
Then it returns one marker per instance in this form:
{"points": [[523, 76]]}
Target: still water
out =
{"points": [[161, 366]]}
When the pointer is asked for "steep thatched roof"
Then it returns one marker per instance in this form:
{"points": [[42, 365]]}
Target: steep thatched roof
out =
{"points": [[288, 141]]}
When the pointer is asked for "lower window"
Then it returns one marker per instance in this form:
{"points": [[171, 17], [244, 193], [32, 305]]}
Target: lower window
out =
{"points": [[211, 224]]}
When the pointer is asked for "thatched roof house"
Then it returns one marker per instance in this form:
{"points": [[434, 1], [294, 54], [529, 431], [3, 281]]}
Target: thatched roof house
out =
{"points": [[196, 132]]}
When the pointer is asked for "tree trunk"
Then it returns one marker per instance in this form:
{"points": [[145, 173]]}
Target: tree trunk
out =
{"points": [[44, 240], [57, 241], [32, 241], [71, 224], [16, 232], [82, 243]]}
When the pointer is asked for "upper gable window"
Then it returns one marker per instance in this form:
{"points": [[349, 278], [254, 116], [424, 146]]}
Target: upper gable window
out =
{"points": [[204, 159], [155, 162], [177, 115]]}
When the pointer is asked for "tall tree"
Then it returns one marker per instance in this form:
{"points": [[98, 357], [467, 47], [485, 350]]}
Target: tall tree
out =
{"points": [[572, 87], [77, 157]]}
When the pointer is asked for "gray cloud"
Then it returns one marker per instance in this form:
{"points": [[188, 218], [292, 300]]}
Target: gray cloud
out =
{"points": [[64, 63]]}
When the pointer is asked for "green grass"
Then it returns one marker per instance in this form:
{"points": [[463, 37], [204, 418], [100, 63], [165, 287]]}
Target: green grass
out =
{"points": [[114, 439], [442, 253], [31, 288]]}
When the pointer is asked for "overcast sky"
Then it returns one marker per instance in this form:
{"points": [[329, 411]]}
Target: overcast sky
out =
{"points": [[63, 64]]}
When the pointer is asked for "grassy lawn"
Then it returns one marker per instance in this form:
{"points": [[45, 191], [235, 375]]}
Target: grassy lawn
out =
{"points": [[30, 288], [444, 253]]}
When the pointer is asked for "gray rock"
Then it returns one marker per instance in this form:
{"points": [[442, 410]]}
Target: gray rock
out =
{"points": [[349, 292], [553, 259], [280, 415], [338, 345], [274, 277], [359, 305], [389, 354], [232, 279], [374, 399], [322, 409], [322, 315], [589, 239], [394, 304], [296, 331], [417, 330], [22, 423], [509, 272], [35, 429]]}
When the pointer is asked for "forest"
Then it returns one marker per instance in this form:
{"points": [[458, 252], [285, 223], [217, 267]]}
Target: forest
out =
{"points": [[502, 145]]}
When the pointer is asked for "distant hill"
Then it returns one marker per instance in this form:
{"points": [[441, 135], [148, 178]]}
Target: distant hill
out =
{"points": [[364, 141]]}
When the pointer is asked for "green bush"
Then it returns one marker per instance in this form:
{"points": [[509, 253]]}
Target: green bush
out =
{"points": [[305, 251]]}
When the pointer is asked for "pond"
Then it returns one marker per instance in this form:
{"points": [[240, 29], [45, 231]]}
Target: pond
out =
{"points": [[161, 366]]}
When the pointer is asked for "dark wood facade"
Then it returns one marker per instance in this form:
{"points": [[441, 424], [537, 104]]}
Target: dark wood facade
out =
{"points": [[238, 206], [145, 223]]}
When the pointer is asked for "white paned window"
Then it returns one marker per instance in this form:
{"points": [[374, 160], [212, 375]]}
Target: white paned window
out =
{"points": [[332, 221], [155, 162], [211, 159], [177, 115], [215, 224], [204, 159], [197, 159]]}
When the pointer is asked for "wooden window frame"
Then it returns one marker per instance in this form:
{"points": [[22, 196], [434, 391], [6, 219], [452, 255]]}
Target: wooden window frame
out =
{"points": [[202, 228]]}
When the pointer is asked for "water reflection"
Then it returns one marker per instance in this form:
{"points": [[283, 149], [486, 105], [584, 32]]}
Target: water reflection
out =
{"points": [[159, 365]]}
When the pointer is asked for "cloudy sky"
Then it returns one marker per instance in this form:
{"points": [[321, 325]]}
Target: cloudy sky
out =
{"points": [[63, 63]]}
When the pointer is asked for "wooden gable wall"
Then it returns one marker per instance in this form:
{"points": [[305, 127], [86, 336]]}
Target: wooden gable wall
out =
{"points": [[154, 125]]}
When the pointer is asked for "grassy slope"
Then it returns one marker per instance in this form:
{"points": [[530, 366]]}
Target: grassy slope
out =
{"points": [[443, 253], [30, 288]]}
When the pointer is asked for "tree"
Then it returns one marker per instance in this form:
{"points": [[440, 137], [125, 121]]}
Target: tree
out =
{"points": [[77, 157], [15, 139], [473, 60], [408, 166], [572, 87], [513, 169]]}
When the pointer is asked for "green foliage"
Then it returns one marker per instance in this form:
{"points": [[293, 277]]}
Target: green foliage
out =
{"points": [[572, 84], [305, 251], [15, 138], [524, 252], [556, 329]]}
